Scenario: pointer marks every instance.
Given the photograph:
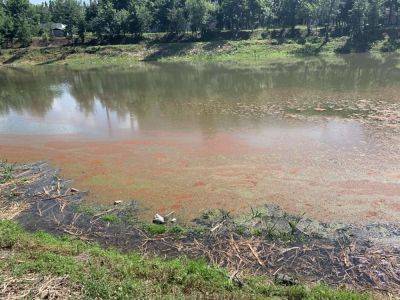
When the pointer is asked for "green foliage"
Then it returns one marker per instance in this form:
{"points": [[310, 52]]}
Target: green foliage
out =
{"points": [[109, 274], [46, 36], [68, 12], [112, 20], [176, 19], [201, 15], [81, 28], [390, 45], [24, 33], [256, 232], [17, 21], [286, 12], [155, 228], [358, 18], [255, 213], [246, 14], [10, 234], [139, 18], [241, 229], [110, 218], [6, 172], [108, 22], [2, 20], [308, 49], [177, 229]]}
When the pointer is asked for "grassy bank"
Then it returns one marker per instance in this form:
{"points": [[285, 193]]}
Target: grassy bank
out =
{"points": [[253, 50], [41, 264]]}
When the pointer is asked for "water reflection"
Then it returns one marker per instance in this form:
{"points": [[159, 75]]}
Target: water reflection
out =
{"points": [[310, 135], [111, 101]]}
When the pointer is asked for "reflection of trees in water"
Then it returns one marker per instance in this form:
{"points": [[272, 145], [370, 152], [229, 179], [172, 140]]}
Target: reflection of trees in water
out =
{"points": [[151, 91], [177, 83], [27, 90]]}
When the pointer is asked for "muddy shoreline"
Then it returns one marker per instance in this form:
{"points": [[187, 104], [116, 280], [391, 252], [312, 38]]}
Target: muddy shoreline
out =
{"points": [[266, 241]]}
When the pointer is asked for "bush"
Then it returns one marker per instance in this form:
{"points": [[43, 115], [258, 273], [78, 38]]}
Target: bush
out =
{"points": [[45, 37], [308, 49], [390, 45]]}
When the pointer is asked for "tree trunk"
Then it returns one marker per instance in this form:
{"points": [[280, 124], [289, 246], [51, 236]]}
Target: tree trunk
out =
{"points": [[308, 27]]}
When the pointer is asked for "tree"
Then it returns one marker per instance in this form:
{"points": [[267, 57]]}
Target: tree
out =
{"points": [[169, 15], [2, 17], [259, 13], [8, 29], [392, 6], [18, 21], [139, 17], [109, 23], [43, 12], [176, 18], [109, 19], [91, 12], [327, 11], [309, 12], [68, 12], [374, 16], [234, 14], [81, 27], [160, 12], [343, 16], [201, 15], [358, 18], [24, 33], [287, 11]]}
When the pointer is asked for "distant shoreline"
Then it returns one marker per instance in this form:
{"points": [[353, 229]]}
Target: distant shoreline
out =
{"points": [[250, 51]]}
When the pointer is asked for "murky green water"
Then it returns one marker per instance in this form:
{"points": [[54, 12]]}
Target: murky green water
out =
{"points": [[308, 135]]}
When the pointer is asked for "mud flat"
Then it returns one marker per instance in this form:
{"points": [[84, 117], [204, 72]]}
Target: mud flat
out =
{"points": [[266, 241]]}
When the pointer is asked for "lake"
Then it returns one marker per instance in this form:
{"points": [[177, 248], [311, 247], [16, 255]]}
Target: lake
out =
{"points": [[314, 136]]}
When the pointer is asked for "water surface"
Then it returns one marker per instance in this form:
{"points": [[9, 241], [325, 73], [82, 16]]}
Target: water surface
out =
{"points": [[313, 136]]}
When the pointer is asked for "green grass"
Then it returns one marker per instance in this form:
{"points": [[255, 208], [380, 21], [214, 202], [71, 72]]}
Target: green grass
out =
{"points": [[249, 47], [109, 274], [155, 229], [6, 171], [111, 218], [242, 51]]}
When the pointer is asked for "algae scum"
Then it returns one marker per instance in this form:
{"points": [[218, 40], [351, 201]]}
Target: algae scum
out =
{"points": [[310, 135]]}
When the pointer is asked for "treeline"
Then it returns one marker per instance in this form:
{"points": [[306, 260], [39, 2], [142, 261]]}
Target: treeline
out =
{"points": [[112, 19]]}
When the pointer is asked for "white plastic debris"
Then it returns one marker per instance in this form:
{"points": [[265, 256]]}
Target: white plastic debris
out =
{"points": [[158, 219]]}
